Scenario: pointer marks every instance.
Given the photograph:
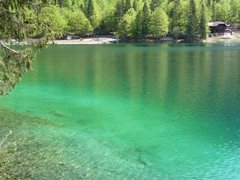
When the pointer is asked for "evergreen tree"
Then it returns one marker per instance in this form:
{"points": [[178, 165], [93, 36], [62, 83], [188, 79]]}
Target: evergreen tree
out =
{"points": [[119, 12], [82, 8], [203, 22], [67, 3], [222, 10], [19, 20], [192, 24], [92, 14], [70, 3], [159, 23], [138, 23], [60, 3], [64, 3], [145, 19], [126, 27], [44, 18], [107, 25], [178, 20], [209, 3], [154, 4], [89, 9], [235, 11], [135, 5], [128, 5], [213, 11]]}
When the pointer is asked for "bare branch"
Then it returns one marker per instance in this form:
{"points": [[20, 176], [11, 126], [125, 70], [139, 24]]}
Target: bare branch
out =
{"points": [[8, 48]]}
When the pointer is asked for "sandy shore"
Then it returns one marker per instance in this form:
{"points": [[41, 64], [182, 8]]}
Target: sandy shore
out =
{"points": [[226, 38], [93, 40]]}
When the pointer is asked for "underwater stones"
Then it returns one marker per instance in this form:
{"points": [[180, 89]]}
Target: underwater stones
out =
{"points": [[40, 149], [57, 113]]}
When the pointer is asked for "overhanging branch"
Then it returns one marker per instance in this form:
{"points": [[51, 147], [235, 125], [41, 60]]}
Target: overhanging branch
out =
{"points": [[8, 48]]}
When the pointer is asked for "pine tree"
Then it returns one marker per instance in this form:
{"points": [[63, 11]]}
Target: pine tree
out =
{"points": [[159, 23], [135, 5], [119, 12], [154, 4], [192, 24], [178, 19], [127, 26], [20, 20], [213, 11], [203, 22], [90, 9], [138, 23], [67, 3], [145, 20], [128, 5], [60, 3], [64, 3], [209, 3], [82, 8], [235, 11]]}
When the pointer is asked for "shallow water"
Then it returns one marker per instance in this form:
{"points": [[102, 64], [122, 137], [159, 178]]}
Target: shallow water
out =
{"points": [[125, 111]]}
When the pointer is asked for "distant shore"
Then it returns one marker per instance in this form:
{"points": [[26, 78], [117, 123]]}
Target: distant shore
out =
{"points": [[226, 38], [89, 40]]}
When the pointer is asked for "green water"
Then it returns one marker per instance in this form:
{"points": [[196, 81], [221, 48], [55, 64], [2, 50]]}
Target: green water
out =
{"points": [[136, 111]]}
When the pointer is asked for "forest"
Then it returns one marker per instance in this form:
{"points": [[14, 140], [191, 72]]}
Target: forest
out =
{"points": [[127, 19], [131, 18]]}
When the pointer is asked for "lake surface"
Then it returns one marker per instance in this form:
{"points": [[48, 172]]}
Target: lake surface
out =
{"points": [[125, 111]]}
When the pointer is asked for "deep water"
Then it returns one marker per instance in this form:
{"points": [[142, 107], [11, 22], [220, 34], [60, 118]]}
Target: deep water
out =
{"points": [[125, 111]]}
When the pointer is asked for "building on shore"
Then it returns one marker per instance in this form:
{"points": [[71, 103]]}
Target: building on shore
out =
{"points": [[219, 27]]}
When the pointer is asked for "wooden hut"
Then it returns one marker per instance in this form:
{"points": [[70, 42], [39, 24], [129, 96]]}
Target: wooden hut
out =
{"points": [[218, 27]]}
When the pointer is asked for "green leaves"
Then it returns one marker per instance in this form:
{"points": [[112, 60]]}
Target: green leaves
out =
{"points": [[203, 29], [19, 21], [159, 23], [192, 25], [77, 22], [126, 27], [145, 20], [52, 22], [178, 18], [12, 65]]}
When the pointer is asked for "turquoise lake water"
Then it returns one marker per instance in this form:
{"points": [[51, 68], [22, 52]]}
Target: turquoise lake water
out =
{"points": [[126, 111]]}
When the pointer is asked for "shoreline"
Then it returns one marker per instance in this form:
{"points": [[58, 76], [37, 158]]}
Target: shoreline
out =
{"points": [[89, 40], [226, 38]]}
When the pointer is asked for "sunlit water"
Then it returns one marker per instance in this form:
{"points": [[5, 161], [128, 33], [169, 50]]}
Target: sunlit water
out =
{"points": [[134, 111]]}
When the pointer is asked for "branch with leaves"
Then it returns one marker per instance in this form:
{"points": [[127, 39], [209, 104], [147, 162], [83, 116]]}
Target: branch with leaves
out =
{"points": [[20, 20], [13, 63]]}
